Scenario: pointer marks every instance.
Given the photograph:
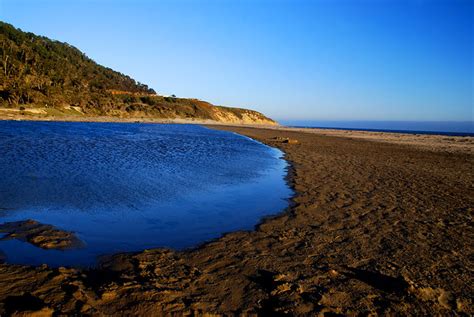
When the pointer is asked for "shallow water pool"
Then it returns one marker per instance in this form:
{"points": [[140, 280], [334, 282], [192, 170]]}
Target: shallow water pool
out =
{"points": [[127, 187]]}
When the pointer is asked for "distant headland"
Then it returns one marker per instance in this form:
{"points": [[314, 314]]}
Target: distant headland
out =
{"points": [[43, 79]]}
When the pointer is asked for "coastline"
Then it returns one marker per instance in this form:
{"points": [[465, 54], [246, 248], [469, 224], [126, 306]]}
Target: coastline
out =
{"points": [[342, 247], [116, 119], [433, 142]]}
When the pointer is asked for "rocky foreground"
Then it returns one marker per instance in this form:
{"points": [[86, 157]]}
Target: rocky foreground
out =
{"points": [[375, 228]]}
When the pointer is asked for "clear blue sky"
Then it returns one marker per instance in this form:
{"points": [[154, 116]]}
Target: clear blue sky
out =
{"points": [[357, 60]]}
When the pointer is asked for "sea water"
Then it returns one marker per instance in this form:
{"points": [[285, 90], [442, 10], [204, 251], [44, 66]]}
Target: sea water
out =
{"points": [[450, 128], [127, 187]]}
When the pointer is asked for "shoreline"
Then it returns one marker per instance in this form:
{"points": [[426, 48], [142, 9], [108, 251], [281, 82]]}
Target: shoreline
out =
{"points": [[111, 119], [292, 261], [433, 142]]}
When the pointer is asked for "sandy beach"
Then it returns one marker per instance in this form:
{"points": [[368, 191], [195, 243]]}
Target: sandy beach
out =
{"points": [[380, 224]]}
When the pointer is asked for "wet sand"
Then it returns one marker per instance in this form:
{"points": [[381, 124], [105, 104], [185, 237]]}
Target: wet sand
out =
{"points": [[375, 228]]}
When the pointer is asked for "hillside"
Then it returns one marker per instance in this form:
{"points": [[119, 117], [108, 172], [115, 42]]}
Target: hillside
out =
{"points": [[41, 77]]}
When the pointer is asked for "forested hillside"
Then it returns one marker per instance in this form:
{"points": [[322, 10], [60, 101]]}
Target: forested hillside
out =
{"points": [[48, 77]]}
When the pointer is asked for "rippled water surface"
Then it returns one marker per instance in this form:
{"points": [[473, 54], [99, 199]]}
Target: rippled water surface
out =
{"points": [[128, 187]]}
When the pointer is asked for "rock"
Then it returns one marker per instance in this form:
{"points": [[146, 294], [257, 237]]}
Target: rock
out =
{"points": [[285, 140], [40, 235], [291, 141]]}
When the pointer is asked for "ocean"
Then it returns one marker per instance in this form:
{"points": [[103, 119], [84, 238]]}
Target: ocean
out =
{"points": [[461, 128]]}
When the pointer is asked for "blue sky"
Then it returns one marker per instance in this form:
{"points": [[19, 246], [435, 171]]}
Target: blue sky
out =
{"points": [[321, 60]]}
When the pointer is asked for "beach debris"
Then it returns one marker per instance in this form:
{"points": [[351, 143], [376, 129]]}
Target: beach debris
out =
{"points": [[285, 140], [40, 235]]}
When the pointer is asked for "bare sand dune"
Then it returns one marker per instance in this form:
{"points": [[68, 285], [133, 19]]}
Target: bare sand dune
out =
{"points": [[375, 228]]}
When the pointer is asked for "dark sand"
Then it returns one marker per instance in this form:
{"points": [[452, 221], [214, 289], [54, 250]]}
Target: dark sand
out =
{"points": [[375, 228]]}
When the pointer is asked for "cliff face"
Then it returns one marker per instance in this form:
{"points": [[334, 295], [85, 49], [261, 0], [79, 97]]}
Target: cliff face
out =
{"points": [[240, 116], [40, 77]]}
